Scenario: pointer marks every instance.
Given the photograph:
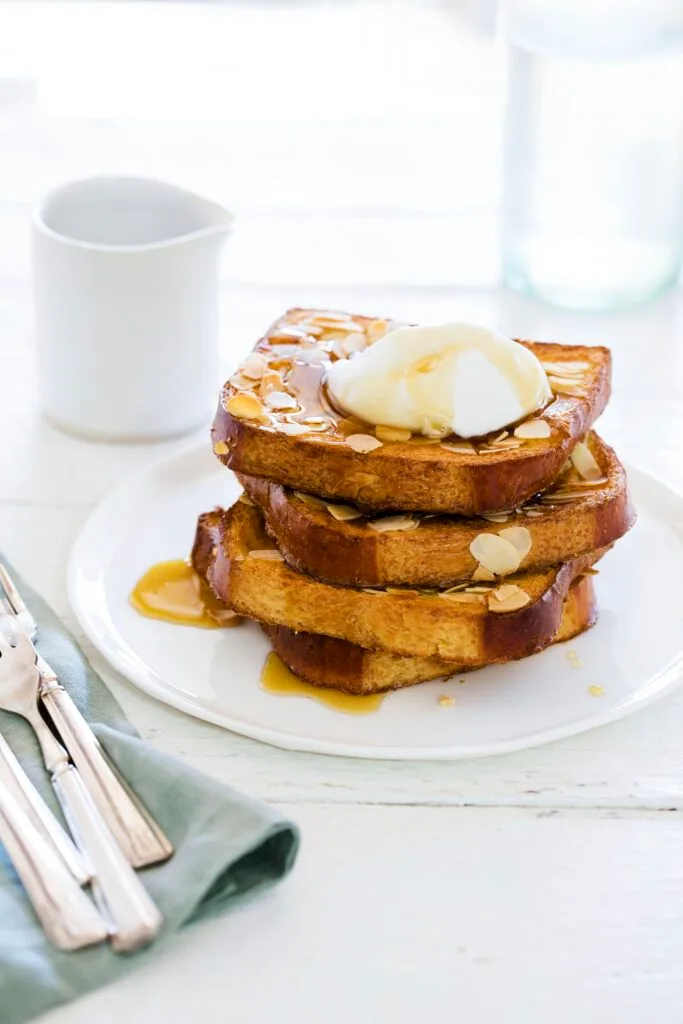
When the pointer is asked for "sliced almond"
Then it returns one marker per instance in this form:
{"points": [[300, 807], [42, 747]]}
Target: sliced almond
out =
{"points": [[533, 513], [372, 590], [342, 513], [583, 461], [266, 555], [244, 499], [305, 329], [600, 482], [310, 499], [564, 387], [375, 330], [330, 319], [221, 448], [508, 598], [363, 443], [532, 429], [459, 449], [478, 590], [289, 332], [353, 343], [507, 444], [501, 437], [590, 571], [391, 523], [519, 537], [462, 596], [393, 434], [281, 401], [495, 553], [244, 406], [271, 381], [312, 355], [315, 421], [456, 588], [495, 517], [294, 429], [254, 367], [240, 383], [568, 369], [482, 575]]}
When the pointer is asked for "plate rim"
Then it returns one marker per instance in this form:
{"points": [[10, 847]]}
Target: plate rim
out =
{"points": [[663, 682]]}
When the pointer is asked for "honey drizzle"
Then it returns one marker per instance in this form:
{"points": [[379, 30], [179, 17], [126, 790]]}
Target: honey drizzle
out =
{"points": [[173, 592], [277, 678]]}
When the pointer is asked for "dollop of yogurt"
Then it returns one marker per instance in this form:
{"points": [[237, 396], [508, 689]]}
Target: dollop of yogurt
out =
{"points": [[454, 378]]}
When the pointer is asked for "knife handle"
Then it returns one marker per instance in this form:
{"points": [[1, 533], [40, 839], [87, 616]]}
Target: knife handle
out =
{"points": [[136, 832], [24, 793], [68, 917]]}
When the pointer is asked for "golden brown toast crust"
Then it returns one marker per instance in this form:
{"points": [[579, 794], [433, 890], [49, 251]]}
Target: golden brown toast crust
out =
{"points": [[336, 664], [414, 474], [437, 553], [407, 622]]}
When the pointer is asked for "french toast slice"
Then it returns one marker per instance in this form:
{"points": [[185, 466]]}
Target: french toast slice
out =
{"points": [[339, 544], [336, 664], [275, 420], [472, 626]]}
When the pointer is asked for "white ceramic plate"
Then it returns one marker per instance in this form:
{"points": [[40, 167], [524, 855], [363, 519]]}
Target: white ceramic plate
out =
{"points": [[635, 652]]}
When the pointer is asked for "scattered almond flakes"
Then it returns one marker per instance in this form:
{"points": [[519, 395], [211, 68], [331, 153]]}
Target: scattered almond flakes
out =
{"points": [[483, 575], [266, 555], [388, 524], [508, 598], [393, 434], [270, 381], [343, 513], [240, 383], [310, 499], [519, 537], [583, 461], [495, 517], [459, 449], [294, 429], [221, 448], [495, 553], [280, 401], [445, 701], [254, 367], [363, 443], [596, 691], [533, 429], [244, 406], [375, 330]]}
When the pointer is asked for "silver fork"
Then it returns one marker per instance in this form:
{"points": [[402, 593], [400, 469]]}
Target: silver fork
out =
{"points": [[135, 919], [140, 837]]}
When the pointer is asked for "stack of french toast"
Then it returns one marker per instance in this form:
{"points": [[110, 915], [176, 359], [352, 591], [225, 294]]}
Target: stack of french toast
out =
{"points": [[376, 555]]}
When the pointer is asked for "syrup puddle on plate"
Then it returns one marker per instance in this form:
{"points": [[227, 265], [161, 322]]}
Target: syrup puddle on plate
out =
{"points": [[173, 592], [277, 678]]}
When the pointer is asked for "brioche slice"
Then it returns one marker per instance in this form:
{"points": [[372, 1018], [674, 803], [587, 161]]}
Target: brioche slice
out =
{"points": [[274, 420], [339, 544], [336, 664], [488, 623]]}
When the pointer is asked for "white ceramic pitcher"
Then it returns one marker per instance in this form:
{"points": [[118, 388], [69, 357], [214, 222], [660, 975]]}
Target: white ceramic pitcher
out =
{"points": [[125, 274]]}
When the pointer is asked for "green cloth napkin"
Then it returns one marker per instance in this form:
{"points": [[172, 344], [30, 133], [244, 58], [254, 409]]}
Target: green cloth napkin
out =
{"points": [[226, 844]]}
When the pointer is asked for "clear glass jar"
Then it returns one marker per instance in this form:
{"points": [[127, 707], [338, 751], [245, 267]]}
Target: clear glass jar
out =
{"points": [[593, 164]]}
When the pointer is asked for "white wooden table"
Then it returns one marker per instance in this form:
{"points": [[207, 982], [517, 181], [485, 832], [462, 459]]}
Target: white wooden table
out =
{"points": [[536, 887]]}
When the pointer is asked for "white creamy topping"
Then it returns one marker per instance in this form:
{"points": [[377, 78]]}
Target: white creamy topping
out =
{"points": [[453, 379]]}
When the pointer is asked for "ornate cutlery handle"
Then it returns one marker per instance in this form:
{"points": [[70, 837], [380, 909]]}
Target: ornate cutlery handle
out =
{"points": [[135, 918], [23, 791], [138, 835], [69, 919]]}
